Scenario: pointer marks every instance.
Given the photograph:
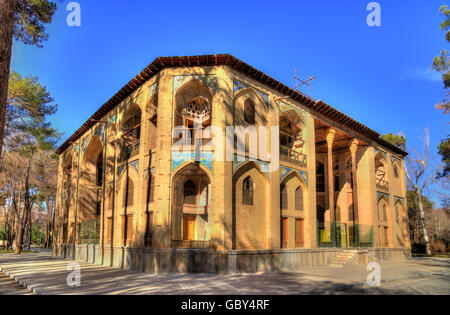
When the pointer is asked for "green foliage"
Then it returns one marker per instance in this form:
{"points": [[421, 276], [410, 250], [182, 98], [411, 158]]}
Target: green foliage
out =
{"points": [[444, 152], [413, 202], [397, 140], [29, 19], [28, 105], [37, 233], [442, 63]]}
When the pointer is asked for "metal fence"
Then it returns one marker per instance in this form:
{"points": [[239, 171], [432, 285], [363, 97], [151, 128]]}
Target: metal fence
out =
{"points": [[89, 232], [344, 235]]}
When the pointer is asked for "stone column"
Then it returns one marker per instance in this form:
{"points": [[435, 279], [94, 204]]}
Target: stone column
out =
{"points": [[330, 137], [353, 149]]}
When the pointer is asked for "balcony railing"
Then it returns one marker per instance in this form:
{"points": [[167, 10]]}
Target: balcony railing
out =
{"points": [[337, 234], [192, 136], [289, 155], [382, 184], [191, 244], [130, 151]]}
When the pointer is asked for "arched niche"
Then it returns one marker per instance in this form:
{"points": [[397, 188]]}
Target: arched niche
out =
{"points": [[191, 191], [249, 230]]}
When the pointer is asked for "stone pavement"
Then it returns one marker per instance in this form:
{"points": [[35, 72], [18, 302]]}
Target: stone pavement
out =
{"points": [[42, 274]]}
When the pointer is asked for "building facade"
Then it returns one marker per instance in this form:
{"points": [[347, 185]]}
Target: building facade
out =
{"points": [[175, 173]]}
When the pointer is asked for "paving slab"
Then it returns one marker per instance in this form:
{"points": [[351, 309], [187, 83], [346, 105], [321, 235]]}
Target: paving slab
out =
{"points": [[42, 274]]}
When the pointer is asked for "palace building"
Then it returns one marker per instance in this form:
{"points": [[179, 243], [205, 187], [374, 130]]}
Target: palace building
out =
{"points": [[130, 197]]}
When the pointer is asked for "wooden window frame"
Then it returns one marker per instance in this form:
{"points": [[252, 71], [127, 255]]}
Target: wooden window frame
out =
{"points": [[248, 194]]}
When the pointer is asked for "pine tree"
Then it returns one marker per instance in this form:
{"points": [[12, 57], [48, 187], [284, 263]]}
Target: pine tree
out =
{"points": [[22, 20]]}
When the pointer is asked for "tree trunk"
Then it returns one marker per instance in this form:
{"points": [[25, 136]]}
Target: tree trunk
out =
{"points": [[19, 241], [7, 8], [423, 223]]}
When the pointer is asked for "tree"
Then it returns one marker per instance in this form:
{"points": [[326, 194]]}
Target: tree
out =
{"points": [[420, 175], [28, 136], [47, 162], [397, 140], [22, 20], [414, 225], [444, 152], [442, 63]]}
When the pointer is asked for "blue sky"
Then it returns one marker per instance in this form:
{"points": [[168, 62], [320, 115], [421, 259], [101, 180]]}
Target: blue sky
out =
{"points": [[378, 75]]}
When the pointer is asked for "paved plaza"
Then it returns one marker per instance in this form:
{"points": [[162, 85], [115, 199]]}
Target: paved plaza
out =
{"points": [[42, 274]]}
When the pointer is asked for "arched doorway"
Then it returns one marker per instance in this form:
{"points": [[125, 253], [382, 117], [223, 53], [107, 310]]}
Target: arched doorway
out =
{"points": [[91, 194], [191, 188], [384, 226]]}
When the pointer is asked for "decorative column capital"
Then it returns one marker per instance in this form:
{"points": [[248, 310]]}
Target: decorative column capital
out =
{"points": [[330, 136], [354, 146]]}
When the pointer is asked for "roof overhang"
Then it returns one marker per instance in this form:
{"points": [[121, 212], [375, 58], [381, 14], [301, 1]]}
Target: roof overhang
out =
{"points": [[160, 63]]}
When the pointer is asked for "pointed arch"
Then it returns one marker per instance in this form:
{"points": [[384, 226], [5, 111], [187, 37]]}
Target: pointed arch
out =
{"points": [[250, 99], [249, 219], [191, 198], [250, 164]]}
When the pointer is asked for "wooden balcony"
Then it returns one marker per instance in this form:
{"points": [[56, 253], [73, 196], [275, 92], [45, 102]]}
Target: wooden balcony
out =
{"points": [[292, 156], [382, 184], [129, 151]]}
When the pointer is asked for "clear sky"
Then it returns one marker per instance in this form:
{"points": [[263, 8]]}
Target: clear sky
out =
{"points": [[379, 76]]}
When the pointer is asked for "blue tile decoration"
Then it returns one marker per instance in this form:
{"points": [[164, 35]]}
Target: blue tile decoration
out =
{"points": [[77, 147], [120, 171], [381, 194], [113, 119], [238, 86], [85, 142], [100, 131], [135, 164], [209, 80], [284, 107], [401, 199], [205, 158], [153, 89], [394, 159], [378, 150], [146, 172], [284, 171], [263, 165]]}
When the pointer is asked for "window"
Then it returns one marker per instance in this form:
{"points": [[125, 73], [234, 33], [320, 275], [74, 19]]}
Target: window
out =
{"points": [[150, 188], [188, 227], [336, 183], [284, 232], [396, 174], [284, 198], [397, 213], [190, 193], [248, 191], [386, 236], [100, 170], [384, 213], [110, 200], [249, 111], [299, 199], [128, 227], [320, 177], [299, 233], [129, 194], [148, 229]]}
